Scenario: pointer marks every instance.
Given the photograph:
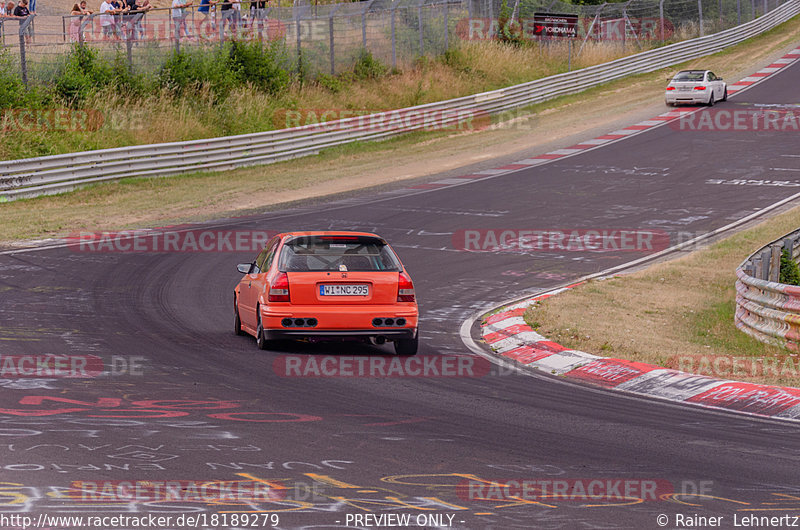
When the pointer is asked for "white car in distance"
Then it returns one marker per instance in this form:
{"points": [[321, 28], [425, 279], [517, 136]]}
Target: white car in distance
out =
{"points": [[694, 87]]}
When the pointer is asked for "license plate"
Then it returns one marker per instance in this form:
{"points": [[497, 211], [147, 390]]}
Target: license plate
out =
{"points": [[340, 289], [685, 89]]}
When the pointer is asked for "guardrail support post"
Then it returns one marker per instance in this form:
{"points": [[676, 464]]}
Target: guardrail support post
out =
{"points": [[738, 12], [758, 267], [766, 263], [661, 19], [775, 263]]}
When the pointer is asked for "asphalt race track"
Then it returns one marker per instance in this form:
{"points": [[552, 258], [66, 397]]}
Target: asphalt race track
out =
{"points": [[204, 405]]}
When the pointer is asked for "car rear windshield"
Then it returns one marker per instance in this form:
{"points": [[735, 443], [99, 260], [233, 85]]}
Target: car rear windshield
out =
{"points": [[337, 253], [689, 76]]}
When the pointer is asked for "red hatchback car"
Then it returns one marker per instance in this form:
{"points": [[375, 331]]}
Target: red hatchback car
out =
{"points": [[327, 286]]}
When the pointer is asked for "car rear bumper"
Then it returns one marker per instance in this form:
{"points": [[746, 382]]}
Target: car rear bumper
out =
{"points": [[338, 321], [339, 334], [685, 99]]}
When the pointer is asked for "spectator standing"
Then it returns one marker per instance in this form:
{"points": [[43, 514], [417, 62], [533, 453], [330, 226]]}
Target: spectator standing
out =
{"points": [[258, 10], [129, 9], [179, 14], [226, 9], [236, 7], [142, 7], [22, 12], [207, 21], [75, 22], [107, 22], [8, 10]]}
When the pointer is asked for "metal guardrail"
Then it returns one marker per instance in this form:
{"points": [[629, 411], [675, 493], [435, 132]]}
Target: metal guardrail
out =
{"points": [[51, 174], [766, 309]]}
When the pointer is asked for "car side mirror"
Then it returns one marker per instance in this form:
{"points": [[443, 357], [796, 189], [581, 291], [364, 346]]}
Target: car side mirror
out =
{"points": [[244, 268], [720, 79]]}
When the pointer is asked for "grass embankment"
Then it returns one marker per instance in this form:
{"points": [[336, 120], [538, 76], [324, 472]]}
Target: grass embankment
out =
{"points": [[677, 314], [206, 94]]}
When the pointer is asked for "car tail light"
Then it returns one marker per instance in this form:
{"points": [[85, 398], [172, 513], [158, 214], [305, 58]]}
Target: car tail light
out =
{"points": [[405, 289], [670, 88], [699, 88], [279, 289]]}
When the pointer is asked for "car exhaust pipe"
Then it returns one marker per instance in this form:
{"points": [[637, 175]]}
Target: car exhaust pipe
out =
{"points": [[380, 339]]}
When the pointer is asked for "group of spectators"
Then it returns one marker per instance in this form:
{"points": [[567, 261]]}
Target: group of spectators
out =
{"points": [[129, 20], [118, 17], [230, 14], [21, 12]]}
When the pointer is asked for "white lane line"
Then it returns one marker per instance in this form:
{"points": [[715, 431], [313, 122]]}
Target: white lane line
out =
{"points": [[624, 132], [490, 172], [784, 169]]}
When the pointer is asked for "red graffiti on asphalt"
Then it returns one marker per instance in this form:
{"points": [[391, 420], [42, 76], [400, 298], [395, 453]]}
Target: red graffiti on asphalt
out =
{"points": [[112, 407]]}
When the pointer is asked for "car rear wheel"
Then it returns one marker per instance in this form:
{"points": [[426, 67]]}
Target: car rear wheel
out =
{"points": [[711, 100], [407, 346], [261, 341], [725, 95]]}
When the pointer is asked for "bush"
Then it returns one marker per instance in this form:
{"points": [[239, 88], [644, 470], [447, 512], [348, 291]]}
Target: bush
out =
{"points": [[790, 271], [82, 75], [258, 65], [332, 83], [237, 64], [368, 67], [14, 92], [188, 72]]}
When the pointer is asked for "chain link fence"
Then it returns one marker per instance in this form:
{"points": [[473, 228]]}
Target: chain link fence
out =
{"points": [[328, 39]]}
